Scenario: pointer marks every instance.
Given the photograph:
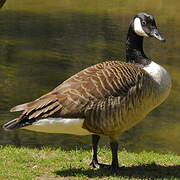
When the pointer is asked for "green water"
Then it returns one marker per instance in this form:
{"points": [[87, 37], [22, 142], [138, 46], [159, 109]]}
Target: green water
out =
{"points": [[44, 42]]}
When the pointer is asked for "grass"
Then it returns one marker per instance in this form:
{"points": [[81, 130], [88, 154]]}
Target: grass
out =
{"points": [[47, 163]]}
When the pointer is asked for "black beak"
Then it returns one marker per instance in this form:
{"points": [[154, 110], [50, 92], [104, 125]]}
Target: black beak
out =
{"points": [[155, 33]]}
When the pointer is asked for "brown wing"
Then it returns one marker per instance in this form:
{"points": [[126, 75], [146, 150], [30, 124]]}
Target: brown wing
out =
{"points": [[98, 83], [94, 84]]}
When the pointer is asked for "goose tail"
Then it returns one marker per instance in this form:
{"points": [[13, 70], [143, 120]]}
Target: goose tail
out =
{"points": [[12, 125]]}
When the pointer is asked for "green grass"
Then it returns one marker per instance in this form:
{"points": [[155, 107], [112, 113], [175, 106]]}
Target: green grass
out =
{"points": [[48, 163]]}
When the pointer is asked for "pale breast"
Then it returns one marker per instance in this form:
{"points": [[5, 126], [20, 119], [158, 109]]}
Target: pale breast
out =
{"points": [[161, 76]]}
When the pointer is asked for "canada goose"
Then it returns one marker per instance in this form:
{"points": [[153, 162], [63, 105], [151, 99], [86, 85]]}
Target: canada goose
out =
{"points": [[105, 99]]}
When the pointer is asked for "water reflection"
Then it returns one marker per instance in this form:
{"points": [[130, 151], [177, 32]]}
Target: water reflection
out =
{"points": [[44, 43]]}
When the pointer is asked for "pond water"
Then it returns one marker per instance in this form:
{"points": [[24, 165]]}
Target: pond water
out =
{"points": [[42, 43]]}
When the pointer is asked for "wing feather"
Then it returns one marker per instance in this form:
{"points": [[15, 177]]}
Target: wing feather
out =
{"points": [[90, 86]]}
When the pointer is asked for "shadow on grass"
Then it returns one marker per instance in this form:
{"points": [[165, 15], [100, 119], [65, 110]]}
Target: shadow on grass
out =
{"points": [[149, 171]]}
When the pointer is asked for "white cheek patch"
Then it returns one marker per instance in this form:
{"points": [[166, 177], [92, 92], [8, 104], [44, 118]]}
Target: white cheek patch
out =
{"points": [[138, 28]]}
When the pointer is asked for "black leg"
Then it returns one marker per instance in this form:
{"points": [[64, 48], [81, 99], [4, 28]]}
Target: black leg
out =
{"points": [[114, 150], [95, 140]]}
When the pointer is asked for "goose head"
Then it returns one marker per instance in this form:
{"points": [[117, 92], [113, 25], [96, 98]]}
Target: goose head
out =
{"points": [[145, 25]]}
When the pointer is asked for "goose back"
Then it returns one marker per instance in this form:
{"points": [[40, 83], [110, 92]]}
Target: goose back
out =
{"points": [[109, 96]]}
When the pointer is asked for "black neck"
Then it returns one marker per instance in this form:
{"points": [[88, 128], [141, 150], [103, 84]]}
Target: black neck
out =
{"points": [[134, 49]]}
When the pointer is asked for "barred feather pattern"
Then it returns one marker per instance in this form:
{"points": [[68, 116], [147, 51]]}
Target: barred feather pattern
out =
{"points": [[111, 96], [138, 95]]}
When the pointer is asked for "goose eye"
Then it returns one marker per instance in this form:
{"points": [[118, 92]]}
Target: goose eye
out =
{"points": [[143, 22]]}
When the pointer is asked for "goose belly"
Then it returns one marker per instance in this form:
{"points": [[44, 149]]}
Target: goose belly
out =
{"points": [[59, 125], [121, 119]]}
